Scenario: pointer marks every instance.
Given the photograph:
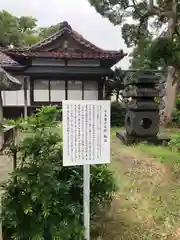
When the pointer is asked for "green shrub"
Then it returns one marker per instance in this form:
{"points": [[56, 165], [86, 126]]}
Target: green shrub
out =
{"points": [[176, 117], [44, 198], [176, 113], [174, 143], [117, 114], [178, 103]]}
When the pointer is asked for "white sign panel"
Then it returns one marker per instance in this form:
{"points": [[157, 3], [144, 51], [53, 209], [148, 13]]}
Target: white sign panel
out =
{"points": [[86, 132]]}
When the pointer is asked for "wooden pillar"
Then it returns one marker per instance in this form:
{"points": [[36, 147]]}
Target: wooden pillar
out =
{"points": [[25, 97], [100, 90]]}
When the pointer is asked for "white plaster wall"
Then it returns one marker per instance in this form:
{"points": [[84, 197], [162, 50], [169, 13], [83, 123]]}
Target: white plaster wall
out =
{"points": [[16, 98], [74, 90], [41, 90], [58, 92], [90, 90]]}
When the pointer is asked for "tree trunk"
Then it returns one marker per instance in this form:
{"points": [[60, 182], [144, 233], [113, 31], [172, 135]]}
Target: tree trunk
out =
{"points": [[171, 84], [170, 12], [170, 98], [117, 96]]}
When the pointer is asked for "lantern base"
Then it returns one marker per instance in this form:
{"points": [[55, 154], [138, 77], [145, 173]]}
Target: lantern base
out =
{"points": [[155, 140]]}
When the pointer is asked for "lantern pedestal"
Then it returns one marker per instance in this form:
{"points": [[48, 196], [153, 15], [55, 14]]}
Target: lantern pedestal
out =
{"points": [[155, 140]]}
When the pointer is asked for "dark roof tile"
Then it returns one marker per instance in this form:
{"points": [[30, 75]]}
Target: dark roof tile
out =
{"points": [[6, 60], [66, 28], [68, 55], [91, 51]]}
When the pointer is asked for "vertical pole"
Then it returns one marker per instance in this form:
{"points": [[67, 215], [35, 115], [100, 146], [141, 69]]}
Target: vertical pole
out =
{"points": [[1, 232], [1, 122], [86, 200], [25, 98]]}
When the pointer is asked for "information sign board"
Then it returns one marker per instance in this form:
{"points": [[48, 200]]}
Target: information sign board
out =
{"points": [[86, 132]]}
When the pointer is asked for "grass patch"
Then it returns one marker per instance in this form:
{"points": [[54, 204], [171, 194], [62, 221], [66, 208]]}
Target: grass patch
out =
{"points": [[147, 204], [162, 154], [116, 129]]}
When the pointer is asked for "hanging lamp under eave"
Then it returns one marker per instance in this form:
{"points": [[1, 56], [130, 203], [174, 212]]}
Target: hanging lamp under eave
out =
{"points": [[8, 82]]}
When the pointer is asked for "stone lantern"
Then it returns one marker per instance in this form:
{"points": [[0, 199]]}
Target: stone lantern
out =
{"points": [[143, 93]]}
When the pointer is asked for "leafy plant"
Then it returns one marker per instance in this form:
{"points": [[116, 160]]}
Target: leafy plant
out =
{"points": [[178, 103], [42, 198], [174, 144], [176, 113], [176, 117], [117, 114]]}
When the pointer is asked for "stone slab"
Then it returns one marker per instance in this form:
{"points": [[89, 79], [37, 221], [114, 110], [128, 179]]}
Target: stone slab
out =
{"points": [[143, 77], [129, 140], [134, 91]]}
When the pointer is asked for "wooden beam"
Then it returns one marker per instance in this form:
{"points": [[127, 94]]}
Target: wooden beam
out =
{"points": [[66, 89], [49, 89], [31, 91], [25, 97], [100, 90], [82, 89]]}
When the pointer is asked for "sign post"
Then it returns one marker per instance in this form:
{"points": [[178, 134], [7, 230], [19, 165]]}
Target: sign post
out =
{"points": [[86, 141], [86, 200]]}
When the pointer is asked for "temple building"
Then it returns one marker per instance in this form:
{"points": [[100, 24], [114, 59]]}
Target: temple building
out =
{"points": [[64, 66]]}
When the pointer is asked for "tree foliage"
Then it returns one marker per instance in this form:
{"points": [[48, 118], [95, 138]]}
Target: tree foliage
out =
{"points": [[43, 198], [146, 25], [22, 31], [152, 28], [114, 85], [17, 31], [46, 32], [8, 29]]}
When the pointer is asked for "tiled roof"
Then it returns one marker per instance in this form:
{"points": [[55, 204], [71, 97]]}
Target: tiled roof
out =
{"points": [[66, 28], [88, 51], [68, 55], [6, 60], [8, 82]]}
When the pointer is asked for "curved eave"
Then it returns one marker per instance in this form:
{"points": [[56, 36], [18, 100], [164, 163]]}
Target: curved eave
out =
{"points": [[24, 57], [14, 68], [8, 82]]}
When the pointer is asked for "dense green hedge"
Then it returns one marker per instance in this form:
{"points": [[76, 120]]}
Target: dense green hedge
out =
{"points": [[176, 113], [42, 199], [178, 104], [117, 114]]}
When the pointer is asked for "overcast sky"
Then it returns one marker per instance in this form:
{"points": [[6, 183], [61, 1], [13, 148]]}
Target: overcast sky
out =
{"points": [[80, 15]]}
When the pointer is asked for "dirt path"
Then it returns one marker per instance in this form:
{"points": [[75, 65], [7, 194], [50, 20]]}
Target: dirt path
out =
{"points": [[141, 207]]}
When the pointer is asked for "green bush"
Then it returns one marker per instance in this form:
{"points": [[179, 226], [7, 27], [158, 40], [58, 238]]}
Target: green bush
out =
{"points": [[117, 114], [176, 117], [44, 198], [176, 113], [174, 143], [178, 103]]}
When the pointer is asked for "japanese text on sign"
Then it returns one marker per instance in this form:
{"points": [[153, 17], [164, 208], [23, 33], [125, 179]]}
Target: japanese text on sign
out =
{"points": [[86, 132]]}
